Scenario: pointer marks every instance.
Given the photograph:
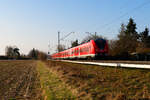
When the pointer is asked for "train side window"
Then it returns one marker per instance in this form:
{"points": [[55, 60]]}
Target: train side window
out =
{"points": [[73, 51], [76, 50], [80, 50]]}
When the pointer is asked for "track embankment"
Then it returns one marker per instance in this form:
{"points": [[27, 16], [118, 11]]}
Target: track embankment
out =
{"points": [[52, 87], [103, 83]]}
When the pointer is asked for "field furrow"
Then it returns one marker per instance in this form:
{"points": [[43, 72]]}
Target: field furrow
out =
{"points": [[19, 80]]}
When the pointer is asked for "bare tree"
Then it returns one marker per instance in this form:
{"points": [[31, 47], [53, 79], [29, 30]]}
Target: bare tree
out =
{"points": [[91, 37], [112, 47], [42, 55], [16, 53], [9, 51], [33, 54], [12, 52]]}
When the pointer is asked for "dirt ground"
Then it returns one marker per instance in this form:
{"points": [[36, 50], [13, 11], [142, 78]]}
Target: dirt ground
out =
{"points": [[29, 80], [19, 80], [103, 83]]}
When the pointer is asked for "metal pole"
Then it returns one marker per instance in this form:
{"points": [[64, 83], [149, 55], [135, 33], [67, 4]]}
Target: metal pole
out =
{"points": [[58, 40], [49, 48], [95, 34]]}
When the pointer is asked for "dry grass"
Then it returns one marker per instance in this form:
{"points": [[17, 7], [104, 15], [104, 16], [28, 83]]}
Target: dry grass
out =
{"points": [[104, 83], [53, 88]]}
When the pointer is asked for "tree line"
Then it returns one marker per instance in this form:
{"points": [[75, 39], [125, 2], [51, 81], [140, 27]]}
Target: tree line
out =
{"points": [[12, 52], [129, 41]]}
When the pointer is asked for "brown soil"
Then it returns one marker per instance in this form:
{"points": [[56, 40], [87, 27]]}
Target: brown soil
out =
{"points": [[19, 80]]}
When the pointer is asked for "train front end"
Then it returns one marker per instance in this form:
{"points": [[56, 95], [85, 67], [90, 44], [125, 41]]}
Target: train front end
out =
{"points": [[101, 48]]}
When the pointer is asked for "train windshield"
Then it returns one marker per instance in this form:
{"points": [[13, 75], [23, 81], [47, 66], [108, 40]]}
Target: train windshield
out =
{"points": [[100, 43]]}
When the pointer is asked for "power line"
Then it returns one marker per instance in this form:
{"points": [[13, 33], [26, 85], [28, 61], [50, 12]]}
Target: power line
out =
{"points": [[62, 39], [125, 14], [66, 35]]}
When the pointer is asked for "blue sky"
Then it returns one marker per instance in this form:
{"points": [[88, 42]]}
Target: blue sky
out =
{"points": [[34, 23]]}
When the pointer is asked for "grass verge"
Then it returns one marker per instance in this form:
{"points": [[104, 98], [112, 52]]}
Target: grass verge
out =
{"points": [[104, 83], [53, 88]]}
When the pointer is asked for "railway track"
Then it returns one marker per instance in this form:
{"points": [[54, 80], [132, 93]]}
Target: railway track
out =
{"points": [[118, 61], [125, 64]]}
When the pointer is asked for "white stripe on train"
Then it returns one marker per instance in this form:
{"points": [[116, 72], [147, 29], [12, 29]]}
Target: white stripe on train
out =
{"points": [[80, 56]]}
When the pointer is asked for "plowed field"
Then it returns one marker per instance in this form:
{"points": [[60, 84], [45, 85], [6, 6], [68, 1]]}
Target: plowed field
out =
{"points": [[18, 80]]}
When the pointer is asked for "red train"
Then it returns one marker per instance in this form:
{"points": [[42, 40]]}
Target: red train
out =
{"points": [[93, 49]]}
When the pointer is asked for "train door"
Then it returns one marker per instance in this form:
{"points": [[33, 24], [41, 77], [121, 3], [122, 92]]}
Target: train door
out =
{"points": [[79, 52]]}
